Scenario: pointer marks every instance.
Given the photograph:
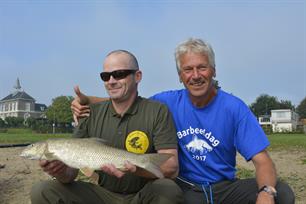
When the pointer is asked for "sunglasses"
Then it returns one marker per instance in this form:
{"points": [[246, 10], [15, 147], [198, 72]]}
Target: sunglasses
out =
{"points": [[118, 74]]}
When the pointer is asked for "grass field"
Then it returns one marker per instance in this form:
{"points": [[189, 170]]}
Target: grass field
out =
{"points": [[278, 141], [16, 136], [287, 141]]}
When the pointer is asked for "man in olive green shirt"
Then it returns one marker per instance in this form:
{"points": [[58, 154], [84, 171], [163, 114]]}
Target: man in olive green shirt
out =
{"points": [[128, 122]]}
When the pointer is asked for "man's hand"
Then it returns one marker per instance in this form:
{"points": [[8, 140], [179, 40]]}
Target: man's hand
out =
{"points": [[59, 170], [79, 105], [53, 168], [113, 171], [264, 198]]}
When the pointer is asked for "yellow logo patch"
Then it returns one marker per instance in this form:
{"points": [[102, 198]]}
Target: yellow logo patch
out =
{"points": [[137, 142]]}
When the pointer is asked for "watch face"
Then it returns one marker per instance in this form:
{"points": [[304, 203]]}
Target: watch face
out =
{"points": [[270, 190]]}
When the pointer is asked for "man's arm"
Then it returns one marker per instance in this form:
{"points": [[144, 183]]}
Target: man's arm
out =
{"points": [[265, 175], [171, 167]]}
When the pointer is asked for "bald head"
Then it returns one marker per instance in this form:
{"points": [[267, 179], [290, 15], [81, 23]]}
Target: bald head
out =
{"points": [[121, 59]]}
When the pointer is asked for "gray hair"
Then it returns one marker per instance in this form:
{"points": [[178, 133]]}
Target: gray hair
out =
{"points": [[134, 62], [194, 45]]}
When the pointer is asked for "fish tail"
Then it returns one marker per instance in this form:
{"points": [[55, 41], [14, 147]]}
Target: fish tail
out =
{"points": [[154, 162]]}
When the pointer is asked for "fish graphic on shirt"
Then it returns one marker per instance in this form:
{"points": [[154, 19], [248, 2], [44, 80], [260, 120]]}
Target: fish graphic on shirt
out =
{"points": [[198, 145]]}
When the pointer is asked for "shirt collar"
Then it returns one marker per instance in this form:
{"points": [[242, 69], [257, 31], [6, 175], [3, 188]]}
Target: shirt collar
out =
{"points": [[131, 111]]}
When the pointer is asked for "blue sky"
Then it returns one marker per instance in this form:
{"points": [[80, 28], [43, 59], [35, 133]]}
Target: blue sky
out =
{"points": [[51, 46]]}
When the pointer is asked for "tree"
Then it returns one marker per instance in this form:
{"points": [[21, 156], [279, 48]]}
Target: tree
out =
{"points": [[301, 108], [264, 104], [60, 111], [285, 104]]}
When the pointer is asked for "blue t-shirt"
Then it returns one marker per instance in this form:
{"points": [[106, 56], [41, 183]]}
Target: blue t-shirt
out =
{"points": [[209, 137]]}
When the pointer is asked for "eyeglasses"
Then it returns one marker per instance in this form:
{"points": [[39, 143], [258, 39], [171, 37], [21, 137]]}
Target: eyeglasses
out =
{"points": [[118, 74]]}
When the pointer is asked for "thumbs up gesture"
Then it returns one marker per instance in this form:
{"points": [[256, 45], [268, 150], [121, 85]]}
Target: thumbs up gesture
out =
{"points": [[79, 105]]}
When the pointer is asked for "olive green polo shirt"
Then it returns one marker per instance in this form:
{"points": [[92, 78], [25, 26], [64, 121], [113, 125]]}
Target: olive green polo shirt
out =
{"points": [[146, 127]]}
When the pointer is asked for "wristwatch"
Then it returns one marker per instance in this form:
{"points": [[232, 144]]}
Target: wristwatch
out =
{"points": [[268, 189]]}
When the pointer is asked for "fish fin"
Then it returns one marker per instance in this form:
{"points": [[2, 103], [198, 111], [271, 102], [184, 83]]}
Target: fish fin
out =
{"points": [[154, 170], [99, 140], [94, 178], [49, 156], [87, 171], [159, 158], [91, 174], [154, 162], [122, 169]]}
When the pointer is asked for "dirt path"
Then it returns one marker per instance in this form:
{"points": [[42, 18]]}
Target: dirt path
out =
{"points": [[291, 167], [18, 175]]}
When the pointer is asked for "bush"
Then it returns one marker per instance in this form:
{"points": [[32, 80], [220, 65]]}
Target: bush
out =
{"points": [[14, 122], [2, 123], [267, 129]]}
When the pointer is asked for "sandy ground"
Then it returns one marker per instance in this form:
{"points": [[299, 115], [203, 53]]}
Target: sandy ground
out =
{"points": [[17, 175]]}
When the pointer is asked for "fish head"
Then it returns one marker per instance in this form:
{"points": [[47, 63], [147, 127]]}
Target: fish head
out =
{"points": [[34, 151]]}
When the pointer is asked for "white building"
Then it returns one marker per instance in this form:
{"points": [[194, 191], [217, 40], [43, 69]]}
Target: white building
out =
{"points": [[21, 104], [282, 120]]}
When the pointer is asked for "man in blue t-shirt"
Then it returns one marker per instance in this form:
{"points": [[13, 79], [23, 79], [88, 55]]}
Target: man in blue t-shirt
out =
{"points": [[212, 126]]}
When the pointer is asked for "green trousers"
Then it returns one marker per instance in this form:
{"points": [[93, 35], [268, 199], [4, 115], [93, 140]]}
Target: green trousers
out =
{"points": [[160, 191]]}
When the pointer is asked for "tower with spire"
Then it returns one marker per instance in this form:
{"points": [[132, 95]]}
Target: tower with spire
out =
{"points": [[17, 87]]}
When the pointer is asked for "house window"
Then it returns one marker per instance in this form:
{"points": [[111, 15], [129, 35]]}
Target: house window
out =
{"points": [[265, 119], [280, 115], [27, 106]]}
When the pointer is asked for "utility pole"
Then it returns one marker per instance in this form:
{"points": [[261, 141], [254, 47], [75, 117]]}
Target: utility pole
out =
{"points": [[53, 125]]}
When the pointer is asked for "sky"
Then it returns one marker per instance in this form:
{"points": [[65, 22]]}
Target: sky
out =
{"points": [[51, 46]]}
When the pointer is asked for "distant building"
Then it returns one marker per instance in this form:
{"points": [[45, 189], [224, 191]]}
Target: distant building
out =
{"points": [[282, 120], [20, 104]]}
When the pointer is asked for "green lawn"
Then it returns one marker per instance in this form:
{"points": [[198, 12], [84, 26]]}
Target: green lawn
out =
{"points": [[278, 141], [287, 141], [16, 136]]}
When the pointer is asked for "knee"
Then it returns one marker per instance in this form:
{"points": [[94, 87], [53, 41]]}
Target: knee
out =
{"points": [[167, 188], [40, 191], [37, 191], [285, 194]]}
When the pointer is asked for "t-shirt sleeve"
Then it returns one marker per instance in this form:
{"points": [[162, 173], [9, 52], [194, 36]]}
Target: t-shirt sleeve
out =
{"points": [[165, 97], [164, 132], [250, 138]]}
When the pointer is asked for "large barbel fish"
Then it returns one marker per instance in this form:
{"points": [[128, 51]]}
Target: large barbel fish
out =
{"points": [[92, 153]]}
